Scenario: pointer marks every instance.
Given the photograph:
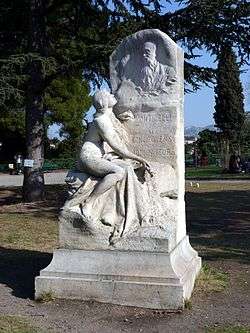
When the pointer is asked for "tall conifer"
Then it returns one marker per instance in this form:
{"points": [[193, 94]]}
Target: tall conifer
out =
{"points": [[229, 100]]}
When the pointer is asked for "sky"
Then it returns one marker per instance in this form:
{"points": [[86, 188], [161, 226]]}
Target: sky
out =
{"points": [[199, 106]]}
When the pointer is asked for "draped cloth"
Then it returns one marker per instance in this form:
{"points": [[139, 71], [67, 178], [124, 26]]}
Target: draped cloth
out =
{"points": [[122, 208]]}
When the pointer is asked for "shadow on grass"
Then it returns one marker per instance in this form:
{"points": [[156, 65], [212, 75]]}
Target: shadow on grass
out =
{"points": [[219, 224], [55, 194], [10, 196], [18, 269]]}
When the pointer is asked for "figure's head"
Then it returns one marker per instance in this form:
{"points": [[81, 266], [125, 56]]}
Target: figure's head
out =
{"points": [[103, 100], [149, 52]]}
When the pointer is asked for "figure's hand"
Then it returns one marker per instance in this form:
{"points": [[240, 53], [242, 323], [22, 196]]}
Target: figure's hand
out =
{"points": [[139, 89], [147, 167], [109, 156]]}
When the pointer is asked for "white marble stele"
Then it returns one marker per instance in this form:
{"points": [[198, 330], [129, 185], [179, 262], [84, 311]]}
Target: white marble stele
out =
{"points": [[143, 259]]}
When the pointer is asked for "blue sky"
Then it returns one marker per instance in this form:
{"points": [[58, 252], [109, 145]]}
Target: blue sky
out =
{"points": [[199, 106]]}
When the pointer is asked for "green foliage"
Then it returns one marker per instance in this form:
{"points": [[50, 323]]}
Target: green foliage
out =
{"points": [[229, 100], [81, 35], [58, 163], [211, 23], [42, 41], [11, 122], [12, 134], [245, 138], [67, 100], [212, 172], [188, 304], [46, 297], [207, 142]]}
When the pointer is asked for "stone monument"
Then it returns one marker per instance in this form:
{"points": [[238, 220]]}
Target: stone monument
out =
{"points": [[122, 230]]}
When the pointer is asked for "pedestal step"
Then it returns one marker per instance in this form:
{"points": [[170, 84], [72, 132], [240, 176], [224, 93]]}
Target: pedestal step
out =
{"points": [[143, 279]]}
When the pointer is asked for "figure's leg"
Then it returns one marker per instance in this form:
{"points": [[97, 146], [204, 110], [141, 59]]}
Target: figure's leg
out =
{"points": [[107, 182], [110, 173]]}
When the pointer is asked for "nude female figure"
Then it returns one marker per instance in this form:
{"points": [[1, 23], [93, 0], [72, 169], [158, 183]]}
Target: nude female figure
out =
{"points": [[92, 156]]}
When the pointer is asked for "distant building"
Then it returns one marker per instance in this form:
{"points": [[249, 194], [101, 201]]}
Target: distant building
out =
{"points": [[190, 139]]}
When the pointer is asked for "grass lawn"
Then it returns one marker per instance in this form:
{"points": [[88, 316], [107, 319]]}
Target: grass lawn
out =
{"points": [[218, 220], [212, 172], [14, 324], [30, 226]]}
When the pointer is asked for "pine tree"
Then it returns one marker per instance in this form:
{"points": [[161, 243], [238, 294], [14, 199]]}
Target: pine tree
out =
{"points": [[229, 100], [66, 100], [40, 42]]}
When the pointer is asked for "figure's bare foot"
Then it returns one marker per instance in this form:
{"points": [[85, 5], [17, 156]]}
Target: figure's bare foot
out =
{"points": [[105, 222], [87, 219], [114, 237]]}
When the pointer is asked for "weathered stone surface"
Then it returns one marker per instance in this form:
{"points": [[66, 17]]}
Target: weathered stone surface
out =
{"points": [[156, 133], [150, 122], [108, 197], [153, 280]]}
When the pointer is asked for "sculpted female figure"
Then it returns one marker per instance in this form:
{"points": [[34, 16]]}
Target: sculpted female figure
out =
{"points": [[113, 197], [93, 158]]}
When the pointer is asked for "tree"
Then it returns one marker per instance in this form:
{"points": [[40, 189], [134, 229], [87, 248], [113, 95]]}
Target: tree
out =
{"points": [[207, 142], [229, 101], [66, 101], [12, 134], [46, 45], [245, 137]]}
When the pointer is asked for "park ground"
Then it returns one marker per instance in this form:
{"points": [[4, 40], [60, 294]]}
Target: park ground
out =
{"points": [[218, 222]]}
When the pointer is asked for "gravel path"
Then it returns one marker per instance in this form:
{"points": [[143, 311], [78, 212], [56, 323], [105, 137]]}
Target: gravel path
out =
{"points": [[17, 180], [58, 177]]}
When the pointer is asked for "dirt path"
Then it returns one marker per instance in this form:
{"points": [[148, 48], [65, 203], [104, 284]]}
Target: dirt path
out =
{"points": [[219, 223], [55, 177], [229, 307]]}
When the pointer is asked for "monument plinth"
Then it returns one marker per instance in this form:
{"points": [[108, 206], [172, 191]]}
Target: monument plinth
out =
{"points": [[123, 231]]}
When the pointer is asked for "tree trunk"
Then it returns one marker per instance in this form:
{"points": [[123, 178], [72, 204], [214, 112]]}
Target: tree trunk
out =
{"points": [[33, 185], [225, 153]]}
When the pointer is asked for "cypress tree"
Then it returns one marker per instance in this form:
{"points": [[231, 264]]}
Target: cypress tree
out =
{"points": [[229, 101]]}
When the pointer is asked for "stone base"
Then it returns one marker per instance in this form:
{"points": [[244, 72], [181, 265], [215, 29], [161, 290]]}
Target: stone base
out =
{"points": [[154, 280]]}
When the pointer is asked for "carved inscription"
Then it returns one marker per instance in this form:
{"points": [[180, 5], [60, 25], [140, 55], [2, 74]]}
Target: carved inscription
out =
{"points": [[152, 137], [154, 117], [153, 134], [156, 154]]}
